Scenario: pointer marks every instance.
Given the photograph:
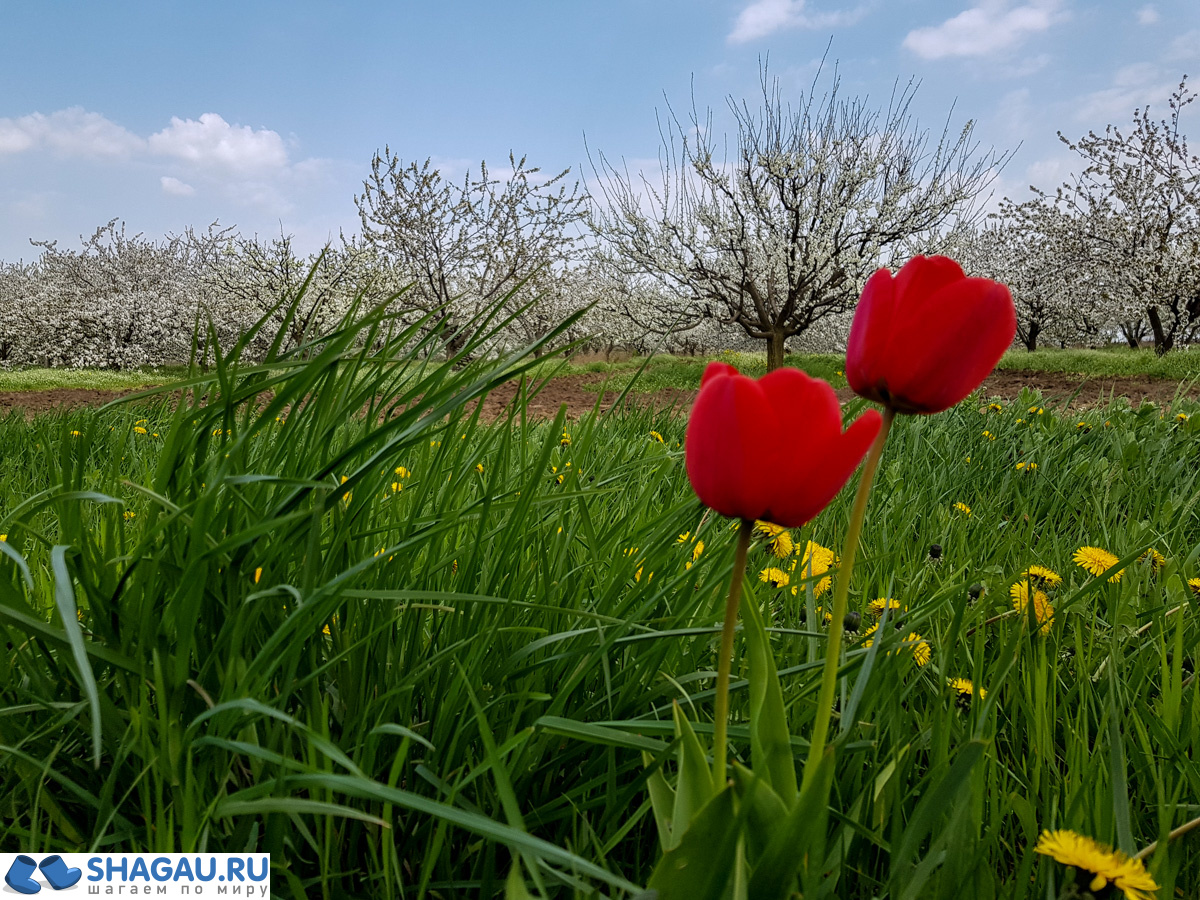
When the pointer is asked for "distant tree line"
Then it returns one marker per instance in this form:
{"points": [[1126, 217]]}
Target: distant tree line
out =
{"points": [[765, 248]]}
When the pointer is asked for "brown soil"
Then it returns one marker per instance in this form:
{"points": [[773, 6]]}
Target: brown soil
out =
{"points": [[1056, 388], [32, 402]]}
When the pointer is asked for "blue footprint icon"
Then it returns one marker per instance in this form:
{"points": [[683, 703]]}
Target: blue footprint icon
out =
{"points": [[58, 873], [18, 874]]}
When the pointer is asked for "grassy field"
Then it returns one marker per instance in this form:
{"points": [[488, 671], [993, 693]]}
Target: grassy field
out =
{"points": [[683, 372], [397, 650], [666, 371]]}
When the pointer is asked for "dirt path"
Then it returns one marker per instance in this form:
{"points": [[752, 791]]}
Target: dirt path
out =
{"points": [[1055, 387]]}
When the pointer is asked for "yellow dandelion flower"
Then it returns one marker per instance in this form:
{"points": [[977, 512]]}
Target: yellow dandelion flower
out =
{"points": [[684, 538], [138, 429], [697, 550], [778, 538], [869, 636], [565, 440], [656, 436], [453, 566], [1082, 426], [129, 514], [637, 576], [1096, 561], [1098, 865], [1181, 417], [1193, 583], [989, 435], [817, 560], [397, 486], [402, 472], [1157, 560], [921, 650], [1040, 574], [876, 607], [479, 469], [257, 574], [965, 690], [1020, 421], [776, 578], [78, 433], [4, 539], [1042, 609], [963, 508], [1026, 466], [995, 407]]}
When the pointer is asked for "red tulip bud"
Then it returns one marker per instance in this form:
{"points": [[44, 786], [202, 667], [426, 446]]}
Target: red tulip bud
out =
{"points": [[771, 449], [922, 341]]}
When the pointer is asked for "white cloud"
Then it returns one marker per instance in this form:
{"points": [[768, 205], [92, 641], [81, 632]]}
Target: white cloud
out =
{"points": [[1133, 87], [1147, 15], [763, 17], [983, 29], [69, 132], [1186, 46], [212, 142], [175, 187]]}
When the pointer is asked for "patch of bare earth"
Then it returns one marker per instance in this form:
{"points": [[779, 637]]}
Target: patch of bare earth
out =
{"points": [[1055, 387]]}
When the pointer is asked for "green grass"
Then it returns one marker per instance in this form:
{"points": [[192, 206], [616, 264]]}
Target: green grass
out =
{"points": [[664, 371], [1179, 365], [229, 630], [87, 379]]}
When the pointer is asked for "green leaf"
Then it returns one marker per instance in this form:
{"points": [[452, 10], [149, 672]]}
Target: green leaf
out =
{"points": [[1116, 768], [700, 866], [799, 836], [933, 805], [64, 599], [770, 741], [695, 786], [766, 813], [514, 885], [662, 801]]}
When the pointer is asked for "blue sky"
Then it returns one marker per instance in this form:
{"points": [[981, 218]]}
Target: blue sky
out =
{"points": [[266, 115]]}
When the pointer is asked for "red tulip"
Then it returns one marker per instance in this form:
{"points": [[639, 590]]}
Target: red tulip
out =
{"points": [[922, 341], [771, 449]]}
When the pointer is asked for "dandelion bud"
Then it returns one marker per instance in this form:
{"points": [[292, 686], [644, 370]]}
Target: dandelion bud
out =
{"points": [[975, 591], [852, 621]]}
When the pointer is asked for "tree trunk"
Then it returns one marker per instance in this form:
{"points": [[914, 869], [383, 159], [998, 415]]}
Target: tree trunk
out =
{"points": [[1162, 340], [775, 350], [1029, 338], [1130, 332]]}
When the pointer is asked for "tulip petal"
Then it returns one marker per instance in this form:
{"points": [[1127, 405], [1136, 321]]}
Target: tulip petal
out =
{"points": [[816, 486], [713, 369], [923, 276], [808, 411], [947, 342], [869, 333], [731, 428]]}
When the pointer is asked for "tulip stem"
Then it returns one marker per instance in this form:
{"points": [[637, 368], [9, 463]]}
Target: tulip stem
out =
{"points": [[721, 713], [841, 592]]}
